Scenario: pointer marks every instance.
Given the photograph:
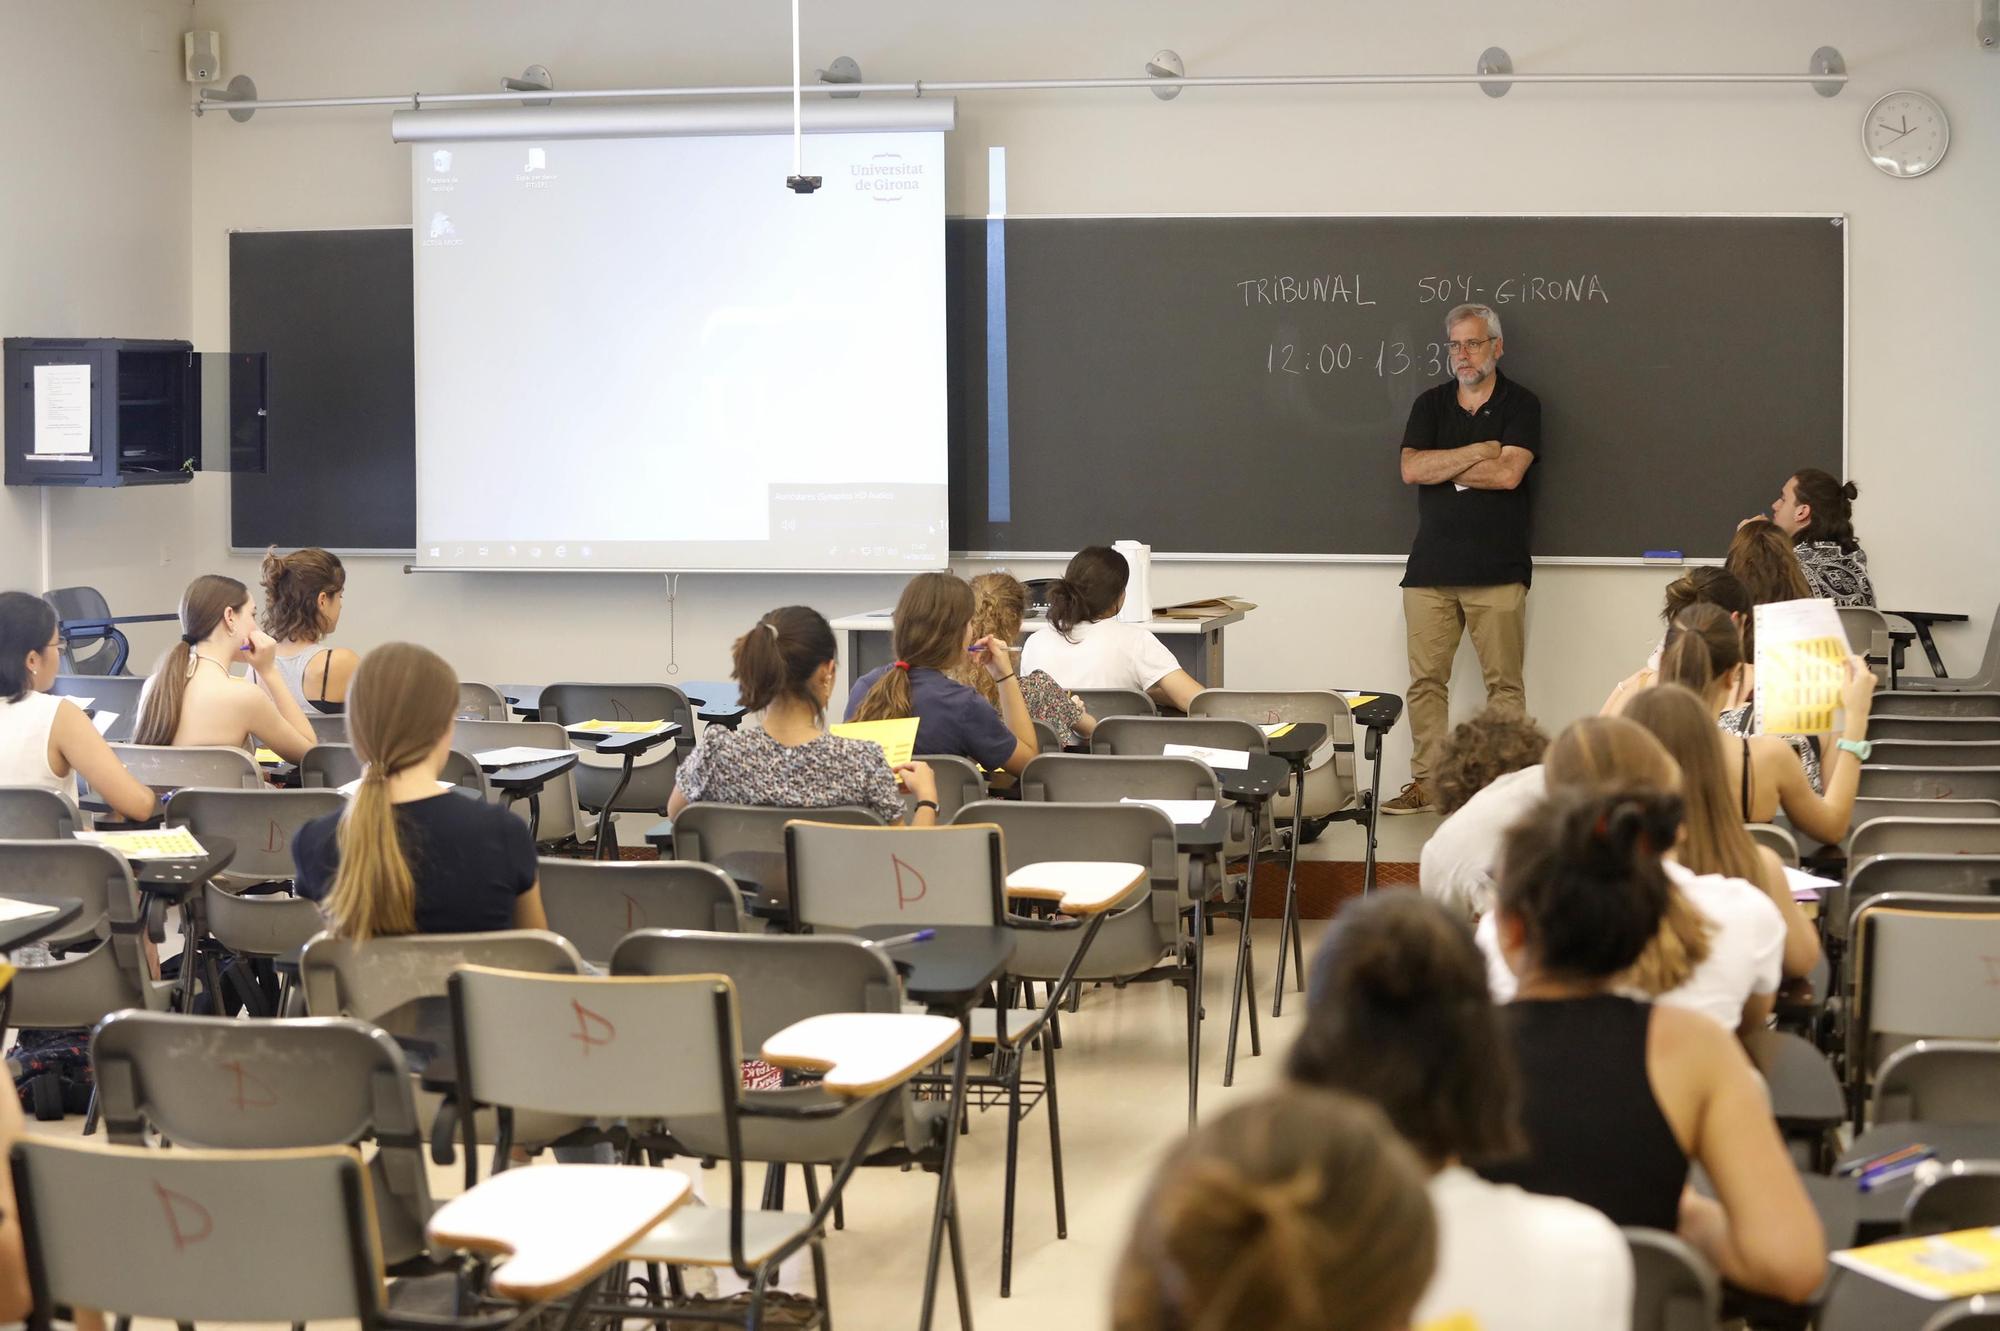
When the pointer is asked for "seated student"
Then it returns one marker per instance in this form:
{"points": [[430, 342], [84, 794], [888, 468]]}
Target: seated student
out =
{"points": [[1713, 837], [1762, 558], [784, 669], [1299, 1209], [47, 741], [1817, 512], [998, 603], [193, 699], [1711, 586], [933, 635], [1086, 646], [1489, 773], [1720, 944], [405, 857], [303, 593], [1619, 1095], [1767, 772], [1395, 965]]}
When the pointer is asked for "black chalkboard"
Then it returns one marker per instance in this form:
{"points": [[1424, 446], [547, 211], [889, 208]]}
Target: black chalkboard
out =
{"points": [[332, 312], [1240, 384]]}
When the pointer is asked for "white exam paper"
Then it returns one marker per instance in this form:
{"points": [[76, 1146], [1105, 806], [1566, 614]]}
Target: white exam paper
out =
{"points": [[104, 721], [1186, 813], [518, 754], [1231, 758], [62, 411]]}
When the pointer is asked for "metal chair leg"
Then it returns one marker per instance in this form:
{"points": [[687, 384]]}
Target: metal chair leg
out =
{"points": [[1236, 995], [1007, 1203], [1055, 1134]]}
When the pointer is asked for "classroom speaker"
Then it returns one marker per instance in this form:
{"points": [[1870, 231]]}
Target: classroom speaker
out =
{"points": [[203, 53]]}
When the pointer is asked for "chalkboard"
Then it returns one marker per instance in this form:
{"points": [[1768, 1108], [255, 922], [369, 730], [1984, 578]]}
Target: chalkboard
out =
{"points": [[1239, 385], [332, 312]]}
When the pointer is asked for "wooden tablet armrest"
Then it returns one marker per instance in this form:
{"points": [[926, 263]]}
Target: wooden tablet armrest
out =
{"points": [[859, 1054], [1080, 887], [559, 1227]]}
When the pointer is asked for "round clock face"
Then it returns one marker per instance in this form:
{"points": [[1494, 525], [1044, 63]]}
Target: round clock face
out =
{"points": [[1905, 134]]}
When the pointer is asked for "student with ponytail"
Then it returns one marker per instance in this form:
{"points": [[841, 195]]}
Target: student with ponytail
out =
{"points": [[406, 857], [933, 636], [47, 741], [1398, 1014], [999, 601], [784, 668], [1086, 645], [1769, 772], [1300, 1209], [1817, 512], [303, 595], [1698, 586], [1618, 1096], [193, 696]]}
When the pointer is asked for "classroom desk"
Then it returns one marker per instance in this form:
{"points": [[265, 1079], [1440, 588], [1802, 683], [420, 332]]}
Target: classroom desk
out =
{"points": [[50, 915], [1856, 1301], [179, 882], [1881, 1211], [525, 781], [1253, 786], [1195, 643], [1920, 629]]}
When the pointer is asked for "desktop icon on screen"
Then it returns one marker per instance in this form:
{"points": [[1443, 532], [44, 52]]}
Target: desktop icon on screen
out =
{"points": [[441, 160], [538, 159]]}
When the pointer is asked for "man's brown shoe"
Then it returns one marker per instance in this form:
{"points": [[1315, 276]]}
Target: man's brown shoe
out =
{"points": [[1414, 799]]}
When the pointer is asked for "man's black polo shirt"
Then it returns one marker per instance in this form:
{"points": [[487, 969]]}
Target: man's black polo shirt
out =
{"points": [[1473, 538]]}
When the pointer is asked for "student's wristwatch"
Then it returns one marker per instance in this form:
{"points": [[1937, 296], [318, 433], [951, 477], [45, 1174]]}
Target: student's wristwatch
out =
{"points": [[1860, 748], [927, 804]]}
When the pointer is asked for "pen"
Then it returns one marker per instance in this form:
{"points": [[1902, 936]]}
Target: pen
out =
{"points": [[1878, 1178], [1883, 1161], [920, 936]]}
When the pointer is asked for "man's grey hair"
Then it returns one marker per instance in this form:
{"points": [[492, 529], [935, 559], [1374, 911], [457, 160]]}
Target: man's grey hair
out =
{"points": [[1460, 313]]}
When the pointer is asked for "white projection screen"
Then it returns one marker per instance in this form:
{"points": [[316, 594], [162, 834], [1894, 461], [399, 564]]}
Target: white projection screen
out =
{"points": [[647, 353]]}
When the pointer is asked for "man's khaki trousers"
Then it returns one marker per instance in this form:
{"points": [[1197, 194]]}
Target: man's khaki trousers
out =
{"points": [[1436, 616]]}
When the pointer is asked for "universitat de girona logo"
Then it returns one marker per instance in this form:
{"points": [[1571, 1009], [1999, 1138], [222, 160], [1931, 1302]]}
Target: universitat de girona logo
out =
{"points": [[886, 177]]}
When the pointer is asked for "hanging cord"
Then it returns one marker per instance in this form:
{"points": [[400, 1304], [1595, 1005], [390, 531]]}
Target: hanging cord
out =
{"points": [[673, 650], [798, 115]]}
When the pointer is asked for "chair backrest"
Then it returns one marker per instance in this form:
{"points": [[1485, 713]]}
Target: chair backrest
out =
{"points": [[1102, 703], [844, 877], [1949, 875], [36, 813], [707, 832], [109, 693], [594, 905], [1930, 783], [1939, 1081], [1953, 1195], [482, 702], [334, 765], [1867, 631], [1911, 702], [1263, 707], [1148, 736], [74, 603], [1046, 740], [569, 704], [1777, 839], [327, 729], [272, 925], [76, 991], [958, 783], [1934, 729], [1924, 836], [1673, 1286], [1974, 1314], [561, 816], [212, 766], [1868, 810], [1917, 957], [262, 823], [779, 979], [188, 1235], [1034, 832], [1079, 778], [343, 978], [596, 1046], [1936, 753]]}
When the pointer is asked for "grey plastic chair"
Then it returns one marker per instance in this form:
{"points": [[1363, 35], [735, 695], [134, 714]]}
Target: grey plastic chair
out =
{"points": [[36, 813], [261, 822], [1867, 811], [482, 702], [343, 978], [1102, 703], [1777, 839], [1935, 729], [1867, 635], [1940, 753], [331, 766], [211, 766], [110, 693], [1673, 1286], [1969, 876], [1915, 953], [190, 1236], [653, 773], [1954, 1195], [219, 1084], [1045, 738], [594, 905], [561, 815], [83, 988], [1924, 836], [1978, 1313], [1939, 1081], [707, 832], [1929, 783], [1902, 702], [958, 784], [326, 728], [1985, 678]]}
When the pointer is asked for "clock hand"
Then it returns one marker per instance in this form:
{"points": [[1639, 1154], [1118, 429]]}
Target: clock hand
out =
{"points": [[1885, 125]]}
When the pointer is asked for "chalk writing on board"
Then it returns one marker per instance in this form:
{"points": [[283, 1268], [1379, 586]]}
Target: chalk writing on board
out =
{"points": [[906, 879], [592, 1028], [1387, 359], [1317, 288], [1522, 289], [188, 1221]]}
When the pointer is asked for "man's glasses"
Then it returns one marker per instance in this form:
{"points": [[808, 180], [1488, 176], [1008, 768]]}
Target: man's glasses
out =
{"points": [[1475, 344]]}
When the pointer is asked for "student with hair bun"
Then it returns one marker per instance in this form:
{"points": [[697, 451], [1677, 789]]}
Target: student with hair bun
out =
{"points": [[303, 596], [1817, 511], [1299, 1209], [47, 741], [1618, 1095], [1398, 1015], [784, 668], [194, 698], [1086, 645], [1698, 586]]}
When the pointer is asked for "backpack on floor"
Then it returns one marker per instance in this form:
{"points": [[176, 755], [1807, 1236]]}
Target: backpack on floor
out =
{"points": [[52, 1073]]}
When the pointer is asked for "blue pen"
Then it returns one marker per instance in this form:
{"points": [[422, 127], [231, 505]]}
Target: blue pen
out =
{"points": [[1888, 1174], [920, 936]]}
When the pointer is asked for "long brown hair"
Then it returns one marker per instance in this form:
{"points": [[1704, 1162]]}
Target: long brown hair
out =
{"points": [[1301, 1208], [931, 616], [1716, 841], [203, 605], [1088, 588], [1607, 752], [399, 706], [999, 601], [1702, 647], [1832, 504], [1762, 558], [778, 658], [293, 584]]}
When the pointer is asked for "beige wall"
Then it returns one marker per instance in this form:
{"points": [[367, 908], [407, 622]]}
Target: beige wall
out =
{"points": [[1922, 258]]}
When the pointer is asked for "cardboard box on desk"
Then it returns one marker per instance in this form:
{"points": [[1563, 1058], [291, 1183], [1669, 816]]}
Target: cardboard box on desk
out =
{"points": [[1204, 609]]}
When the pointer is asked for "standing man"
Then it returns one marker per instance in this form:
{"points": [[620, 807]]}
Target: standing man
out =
{"points": [[1468, 449]]}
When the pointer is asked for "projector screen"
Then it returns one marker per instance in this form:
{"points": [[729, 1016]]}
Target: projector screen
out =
{"points": [[648, 353]]}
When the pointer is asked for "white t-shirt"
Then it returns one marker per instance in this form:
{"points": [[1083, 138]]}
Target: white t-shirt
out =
{"points": [[1745, 953], [1460, 864], [1107, 654], [1509, 1260]]}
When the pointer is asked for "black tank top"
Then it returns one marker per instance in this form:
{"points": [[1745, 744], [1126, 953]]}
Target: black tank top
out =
{"points": [[1595, 1132]]}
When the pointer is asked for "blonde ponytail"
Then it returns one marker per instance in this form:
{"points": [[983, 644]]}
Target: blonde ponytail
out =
{"points": [[373, 893], [1676, 950]]}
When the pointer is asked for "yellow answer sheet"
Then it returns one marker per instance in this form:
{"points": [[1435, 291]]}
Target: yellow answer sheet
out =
{"points": [[898, 737]]}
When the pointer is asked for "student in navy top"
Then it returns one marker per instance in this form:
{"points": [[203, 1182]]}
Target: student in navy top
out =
{"points": [[933, 633], [405, 857]]}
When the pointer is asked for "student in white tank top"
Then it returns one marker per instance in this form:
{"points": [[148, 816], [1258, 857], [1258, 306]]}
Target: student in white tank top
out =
{"points": [[304, 592], [47, 741]]}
